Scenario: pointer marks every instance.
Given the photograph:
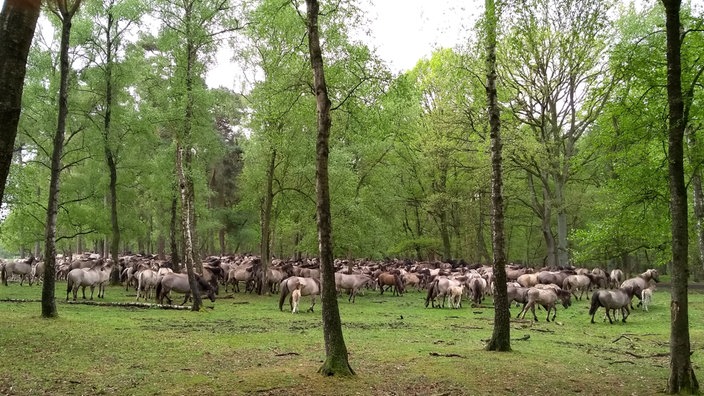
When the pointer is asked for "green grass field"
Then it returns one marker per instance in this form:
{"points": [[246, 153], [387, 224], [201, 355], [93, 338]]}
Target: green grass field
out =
{"points": [[245, 345]]}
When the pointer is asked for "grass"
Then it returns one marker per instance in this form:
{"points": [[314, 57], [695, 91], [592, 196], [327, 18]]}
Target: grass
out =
{"points": [[245, 345]]}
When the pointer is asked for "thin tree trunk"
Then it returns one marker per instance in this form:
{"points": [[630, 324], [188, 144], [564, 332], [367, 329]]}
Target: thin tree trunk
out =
{"points": [[49, 285], [266, 221], [18, 20], [501, 336], [188, 256], [336, 359], [173, 235], [682, 378], [109, 153]]}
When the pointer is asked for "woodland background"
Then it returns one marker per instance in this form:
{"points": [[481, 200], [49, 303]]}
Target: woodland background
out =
{"points": [[583, 91]]}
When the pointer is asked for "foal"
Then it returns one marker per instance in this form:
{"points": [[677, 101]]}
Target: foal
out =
{"points": [[456, 296], [646, 296], [295, 298]]}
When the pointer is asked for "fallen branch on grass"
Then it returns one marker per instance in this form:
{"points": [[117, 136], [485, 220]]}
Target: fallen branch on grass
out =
{"points": [[130, 304], [445, 355]]}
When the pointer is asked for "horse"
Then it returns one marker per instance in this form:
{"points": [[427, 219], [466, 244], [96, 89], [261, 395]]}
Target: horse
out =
{"points": [[641, 282], [612, 300], [547, 298], [616, 277], [295, 298], [23, 268], [391, 279], [308, 287], [517, 294], [477, 286], [179, 283], [456, 296], [352, 282], [646, 297], [578, 282], [146, 280], [440, 287], [97, 275]]}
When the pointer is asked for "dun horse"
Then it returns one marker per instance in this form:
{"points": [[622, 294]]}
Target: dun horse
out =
{"points": [[612, 300], [97, 275], [641, 282], [179, 283], [547, 298], [23, 268], [308, 286], [352, 282]]}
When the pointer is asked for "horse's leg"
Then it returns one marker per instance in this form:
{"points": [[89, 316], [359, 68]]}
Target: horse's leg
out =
{"points": [[92, 289], [313, 301], [188, 294], [84, 292], [609, 316], [625, 313]]}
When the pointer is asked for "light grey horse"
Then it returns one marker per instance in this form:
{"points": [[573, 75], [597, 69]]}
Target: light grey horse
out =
{"points": [[23, 268]]}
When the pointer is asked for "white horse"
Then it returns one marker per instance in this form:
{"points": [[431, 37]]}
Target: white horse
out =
{"points": [[646, 297]]}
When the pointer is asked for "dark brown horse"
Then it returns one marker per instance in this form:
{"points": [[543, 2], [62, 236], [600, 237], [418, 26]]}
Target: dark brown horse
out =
{"points": [[391, 279]]}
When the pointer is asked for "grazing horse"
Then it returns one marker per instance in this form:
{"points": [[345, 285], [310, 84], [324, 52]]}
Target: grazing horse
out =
{"points": [[179, 283], [440, 287], [391, 279], [612, 300], [97, 275], [641, 282], [352, 282], [547, 298], [616, 277], [517, 294], [295, 298], [23, 268], [308, 287]]}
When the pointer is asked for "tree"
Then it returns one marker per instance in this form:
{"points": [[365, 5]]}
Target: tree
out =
{"points": [[336, 361], [65, 11], [501, 337], [18, 20], [559, 88], [682, 378]]}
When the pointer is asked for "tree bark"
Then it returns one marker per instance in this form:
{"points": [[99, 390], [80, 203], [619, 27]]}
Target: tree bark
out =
{"points": [[66, 13], [682, 378], [186, 226], [173, 235], [336, 359], [501, 336], [266, 221], [18, 20], [109, 152]]}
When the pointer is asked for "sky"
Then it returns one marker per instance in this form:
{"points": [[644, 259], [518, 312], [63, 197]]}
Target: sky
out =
{"points": [[402, 31]]}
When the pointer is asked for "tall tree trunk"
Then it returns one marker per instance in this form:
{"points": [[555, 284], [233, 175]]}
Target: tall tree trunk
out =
{"points": [[336, 359], [66, 14], [501, 336], [109, 152], [18, 20], [682, 378], [173, 235], [266, 221], [563, 256], [188, 256]]}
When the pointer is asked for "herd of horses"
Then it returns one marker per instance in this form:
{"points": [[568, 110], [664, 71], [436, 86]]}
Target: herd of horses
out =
{"points": [[442, 282]]}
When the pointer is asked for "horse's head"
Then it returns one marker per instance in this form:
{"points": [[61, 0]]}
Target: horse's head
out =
{"points": [[654, 275], [565, 297], [207, 287]]}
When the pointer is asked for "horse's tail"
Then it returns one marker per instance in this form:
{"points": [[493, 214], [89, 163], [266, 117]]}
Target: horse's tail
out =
{"points": [[4, 275], [159, 288], [595, 303], [566, 284], [283, 286], [432, 292], [69, 285], [477, 294]]}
